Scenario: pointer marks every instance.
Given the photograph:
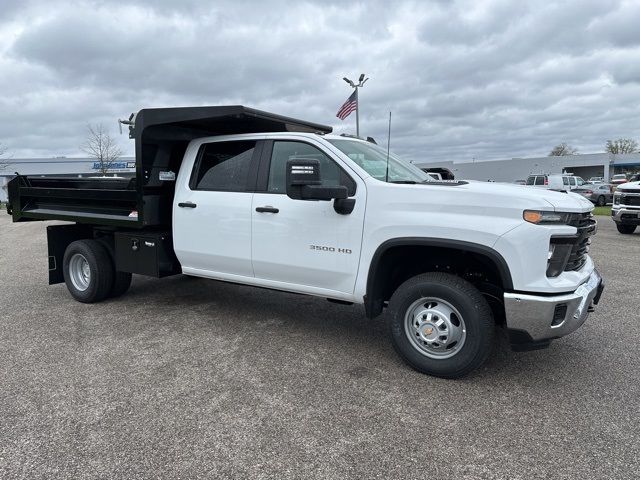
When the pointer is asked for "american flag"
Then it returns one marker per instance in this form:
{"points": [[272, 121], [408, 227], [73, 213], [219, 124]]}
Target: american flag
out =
{"points": [[347, 107]]}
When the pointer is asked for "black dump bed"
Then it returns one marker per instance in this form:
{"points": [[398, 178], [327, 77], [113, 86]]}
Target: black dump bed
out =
{"points": [[161, 138]]}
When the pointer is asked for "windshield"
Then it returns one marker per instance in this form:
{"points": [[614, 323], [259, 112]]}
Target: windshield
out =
{"points": [[373, 160]]}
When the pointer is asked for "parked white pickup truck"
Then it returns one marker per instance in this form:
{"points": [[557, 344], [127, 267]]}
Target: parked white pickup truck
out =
{"points": [[626, 207], [235, 194]]}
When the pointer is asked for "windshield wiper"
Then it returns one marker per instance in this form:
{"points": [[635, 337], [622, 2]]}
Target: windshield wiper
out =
{"points": [[406, 182]]}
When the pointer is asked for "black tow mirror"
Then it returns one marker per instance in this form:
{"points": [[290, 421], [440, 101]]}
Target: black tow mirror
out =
{"points": [[304, 182]]}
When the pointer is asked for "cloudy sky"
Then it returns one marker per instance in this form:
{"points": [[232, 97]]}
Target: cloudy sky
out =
{"points": [[464, 79]]}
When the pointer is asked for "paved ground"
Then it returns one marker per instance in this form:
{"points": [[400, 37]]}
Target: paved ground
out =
{"points": [[190, 378]]}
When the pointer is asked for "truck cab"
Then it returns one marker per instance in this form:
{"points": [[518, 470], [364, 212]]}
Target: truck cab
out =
{"points": [[253, 198]]}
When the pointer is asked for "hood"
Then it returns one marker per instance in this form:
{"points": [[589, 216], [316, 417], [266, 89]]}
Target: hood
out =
{"points": [[488, 200], [628, 186], [537, 197]]}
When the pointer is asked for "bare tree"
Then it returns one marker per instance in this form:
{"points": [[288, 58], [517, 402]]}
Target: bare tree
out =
{"points": [[562, 149], [621, 145], [3, 163], [101, 146]]}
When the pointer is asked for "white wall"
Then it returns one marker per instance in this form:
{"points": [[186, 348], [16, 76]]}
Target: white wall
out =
{"points": [[509, 170]]}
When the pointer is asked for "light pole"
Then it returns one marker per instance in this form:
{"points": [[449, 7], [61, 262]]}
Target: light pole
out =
{"points": [[360, 83]]}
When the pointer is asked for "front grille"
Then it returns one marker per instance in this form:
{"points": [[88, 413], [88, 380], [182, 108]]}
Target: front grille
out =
{"points": [[586, 225], [630, 200]]}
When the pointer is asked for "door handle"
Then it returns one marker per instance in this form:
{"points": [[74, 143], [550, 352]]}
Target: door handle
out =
{"points": [[267, 209], [187, 205]]}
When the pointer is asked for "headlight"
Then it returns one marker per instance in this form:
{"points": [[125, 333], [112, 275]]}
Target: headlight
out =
{"points": [[540, 217], [616, 199]]}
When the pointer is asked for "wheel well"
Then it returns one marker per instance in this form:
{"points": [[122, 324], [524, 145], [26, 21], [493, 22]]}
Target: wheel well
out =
{"points": [[393, 265]]}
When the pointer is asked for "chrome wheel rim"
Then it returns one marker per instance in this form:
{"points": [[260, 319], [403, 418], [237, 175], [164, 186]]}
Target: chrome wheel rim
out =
{"points": [[435, 328], [79, 272]]}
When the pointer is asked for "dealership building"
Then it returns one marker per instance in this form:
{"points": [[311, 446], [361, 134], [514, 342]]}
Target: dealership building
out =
{"points": [[508, 170], [59, 166], [512, 169]]}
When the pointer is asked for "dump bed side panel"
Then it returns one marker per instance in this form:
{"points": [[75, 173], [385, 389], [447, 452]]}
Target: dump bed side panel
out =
{"points": [[113, 202]]}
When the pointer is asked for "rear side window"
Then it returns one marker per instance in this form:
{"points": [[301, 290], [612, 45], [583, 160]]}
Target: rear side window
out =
{"points": [[223, 166], [565, 181], [539, 180]]}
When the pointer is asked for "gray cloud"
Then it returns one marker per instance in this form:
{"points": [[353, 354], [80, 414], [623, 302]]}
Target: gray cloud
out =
{"points": [[463, 79]]}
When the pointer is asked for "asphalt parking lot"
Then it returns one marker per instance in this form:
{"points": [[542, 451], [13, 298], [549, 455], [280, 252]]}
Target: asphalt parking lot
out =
{"points": [[187, 378]]}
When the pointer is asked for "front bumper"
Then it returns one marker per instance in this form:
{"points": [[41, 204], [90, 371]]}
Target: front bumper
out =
{"points": [[533, 320], [626, 216]]}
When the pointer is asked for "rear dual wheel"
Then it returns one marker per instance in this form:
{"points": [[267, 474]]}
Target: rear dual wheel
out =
{"points": [[90, 274], [441, 325]]}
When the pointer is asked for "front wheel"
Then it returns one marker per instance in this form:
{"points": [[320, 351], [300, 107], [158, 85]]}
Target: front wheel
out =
{"points": [[601, 201], [441, 325], [626, 229]]}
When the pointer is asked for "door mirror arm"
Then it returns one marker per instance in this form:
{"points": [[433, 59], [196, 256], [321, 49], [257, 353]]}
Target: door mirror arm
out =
{"points": [[344, 206]]}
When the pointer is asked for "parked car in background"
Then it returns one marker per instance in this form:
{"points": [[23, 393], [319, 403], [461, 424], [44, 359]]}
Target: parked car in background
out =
{"points": [[619, 179], [435, 176], [600, 193], [626, 207], [596, 180], [520, 182], [442, 173], [559, 182], [635, 178]]}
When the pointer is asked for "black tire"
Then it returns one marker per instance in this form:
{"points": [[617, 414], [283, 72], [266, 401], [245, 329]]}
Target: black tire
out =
{"points": [[601, 201], [626, 229], [472, 306], [121, 283], [100, 267]]}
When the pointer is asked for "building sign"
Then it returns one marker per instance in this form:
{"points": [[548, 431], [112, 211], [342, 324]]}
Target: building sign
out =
{"points": [[117, 166]]}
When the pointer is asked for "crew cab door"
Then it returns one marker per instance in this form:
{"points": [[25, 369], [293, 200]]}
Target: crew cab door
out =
{"points": [[212, 210], [305, 244]]}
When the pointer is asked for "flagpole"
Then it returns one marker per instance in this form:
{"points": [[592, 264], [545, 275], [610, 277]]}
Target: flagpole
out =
{"points": [[352, 84], [357, 114]]}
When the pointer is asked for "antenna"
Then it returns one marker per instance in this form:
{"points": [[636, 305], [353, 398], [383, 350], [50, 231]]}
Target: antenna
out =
{"points": [[386, 177]]}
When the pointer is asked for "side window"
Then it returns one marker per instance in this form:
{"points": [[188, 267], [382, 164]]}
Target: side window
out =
{"points": [[539, 180], [531, 180], [332, 175], [223, 166], [565, 180], [572, 180]]}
